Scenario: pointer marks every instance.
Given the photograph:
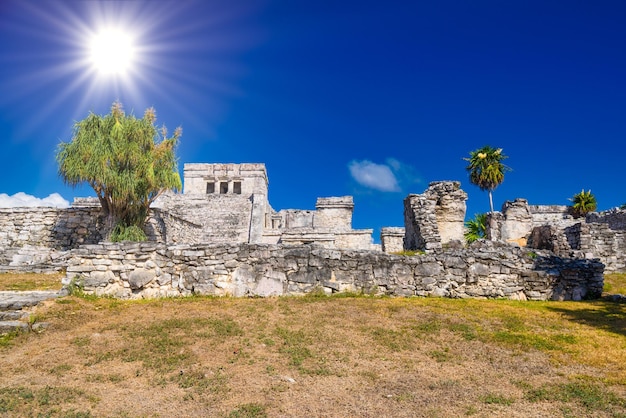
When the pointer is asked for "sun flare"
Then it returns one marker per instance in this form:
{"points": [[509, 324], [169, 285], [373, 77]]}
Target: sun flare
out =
{"points": [[112, 51]]}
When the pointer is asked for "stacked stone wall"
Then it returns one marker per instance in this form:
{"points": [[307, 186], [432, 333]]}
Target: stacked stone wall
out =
{"points": [[420, 223], [60, 229], [203, 218], [599, 240], [356, 238], [600, 235], [485, 271], [615, 219]]}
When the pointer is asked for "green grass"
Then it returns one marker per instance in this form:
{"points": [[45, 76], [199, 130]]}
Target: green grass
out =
{"points": [[251, 410], [16, 399], [615, 283], [592, 396], [496, 399]]}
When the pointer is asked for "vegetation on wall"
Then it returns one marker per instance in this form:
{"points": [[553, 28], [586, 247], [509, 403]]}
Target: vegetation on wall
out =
{"points": [[128, 162], [583, 203], [486, 169], [476, 228]]}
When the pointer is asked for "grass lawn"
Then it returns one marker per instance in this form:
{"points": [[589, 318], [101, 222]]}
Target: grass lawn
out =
{"points": [[319, 356]]}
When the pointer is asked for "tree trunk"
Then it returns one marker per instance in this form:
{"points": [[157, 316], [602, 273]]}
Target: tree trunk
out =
{"points": [[107, 228], [109, 219], [490, 201]]}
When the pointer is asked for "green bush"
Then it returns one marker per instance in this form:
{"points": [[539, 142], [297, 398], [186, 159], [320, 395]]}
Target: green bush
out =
{"points": [[582, 204], [476, 228], [123, 232]]}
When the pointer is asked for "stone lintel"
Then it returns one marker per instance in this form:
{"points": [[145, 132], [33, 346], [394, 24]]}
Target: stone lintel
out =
{"points": [[334, 202]]}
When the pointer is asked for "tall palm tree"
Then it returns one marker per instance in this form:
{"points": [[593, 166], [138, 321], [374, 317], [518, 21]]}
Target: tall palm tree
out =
{"points": [[486, 169]]}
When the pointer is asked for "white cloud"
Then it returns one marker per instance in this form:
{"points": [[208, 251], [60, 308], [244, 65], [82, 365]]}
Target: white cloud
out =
{"points": [[375, 176], [22, 199]]}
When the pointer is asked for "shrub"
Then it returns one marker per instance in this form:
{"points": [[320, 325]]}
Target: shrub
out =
{"points": [[123, 232], [582, 204], [476, 228]]}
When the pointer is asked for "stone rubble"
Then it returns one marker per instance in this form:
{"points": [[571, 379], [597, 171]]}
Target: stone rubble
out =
{"points": [[15, 309]]}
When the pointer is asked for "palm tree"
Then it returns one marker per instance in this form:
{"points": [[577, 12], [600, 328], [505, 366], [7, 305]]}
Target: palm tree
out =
{"points": [[486, 169], [476, 228], [583, 203]]}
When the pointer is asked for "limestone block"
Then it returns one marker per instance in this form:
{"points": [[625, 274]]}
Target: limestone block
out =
{"points": [[518, 220], [98, 279], [428, 269], [138, 278], [271, 284]]}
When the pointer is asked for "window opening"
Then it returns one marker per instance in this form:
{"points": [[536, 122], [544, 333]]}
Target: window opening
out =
{"points": [[210, 188], [224, 187], [237, 187]]}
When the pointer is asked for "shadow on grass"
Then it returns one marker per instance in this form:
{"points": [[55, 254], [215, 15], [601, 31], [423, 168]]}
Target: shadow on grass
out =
{"points": [[603, 314]]}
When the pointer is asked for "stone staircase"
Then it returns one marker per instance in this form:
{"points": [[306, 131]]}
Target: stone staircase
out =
{"points": [[16, 308]]}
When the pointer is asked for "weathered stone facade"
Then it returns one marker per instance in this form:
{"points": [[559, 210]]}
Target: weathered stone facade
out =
{"points": [[37, 239], [486, 270], [392, 239], [49, 227], [598, 235], [436, 217], [228, 203], [513, 224]]}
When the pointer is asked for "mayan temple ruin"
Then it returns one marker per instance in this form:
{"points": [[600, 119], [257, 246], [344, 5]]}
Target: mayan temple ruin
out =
{"points": [[221, 236]]}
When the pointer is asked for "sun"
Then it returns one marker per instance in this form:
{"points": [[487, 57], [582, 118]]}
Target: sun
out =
{"points": [[112, 51]]}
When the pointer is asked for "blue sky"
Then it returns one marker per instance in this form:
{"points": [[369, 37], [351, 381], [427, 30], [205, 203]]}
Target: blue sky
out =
{"points": [[365, 98]]}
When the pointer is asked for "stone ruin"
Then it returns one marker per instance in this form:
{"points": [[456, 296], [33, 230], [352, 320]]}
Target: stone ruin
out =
{"points": [[553, 228], [229, 203], [216, 237], [435, 218]]}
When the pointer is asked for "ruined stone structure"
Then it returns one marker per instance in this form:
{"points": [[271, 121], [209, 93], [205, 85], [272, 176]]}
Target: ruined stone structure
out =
{"points": [[392, 239], [135, 270], [228, 203], [436, 217], [551, 227], [221, 236], [37, 239]]}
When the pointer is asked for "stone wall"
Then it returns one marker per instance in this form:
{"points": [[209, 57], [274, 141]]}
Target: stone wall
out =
{"points": [[599, 235], [223, 178], [551, 214], [615, 219], [194, 218], [49, 227], [513, 224], [488, 270], [436, 217]]}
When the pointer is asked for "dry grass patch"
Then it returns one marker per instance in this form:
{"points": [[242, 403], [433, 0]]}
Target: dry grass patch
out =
{"points": [[318, 356], [30, 281]]}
